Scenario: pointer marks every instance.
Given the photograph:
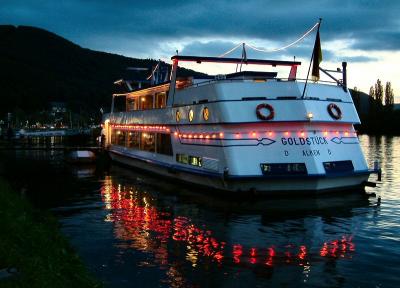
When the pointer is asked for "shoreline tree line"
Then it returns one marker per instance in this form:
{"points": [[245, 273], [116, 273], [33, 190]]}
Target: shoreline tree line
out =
{"points": [[377, 114]]}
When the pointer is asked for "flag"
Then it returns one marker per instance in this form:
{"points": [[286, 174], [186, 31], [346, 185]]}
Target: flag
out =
{"points": [[317, 58]]}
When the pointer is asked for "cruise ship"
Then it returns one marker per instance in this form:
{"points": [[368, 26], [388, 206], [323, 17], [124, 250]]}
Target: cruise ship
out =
{"points": [[247, 131]]}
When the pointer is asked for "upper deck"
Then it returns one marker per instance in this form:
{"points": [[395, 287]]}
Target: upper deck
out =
{"points": [[231, 95], [222, 87]]}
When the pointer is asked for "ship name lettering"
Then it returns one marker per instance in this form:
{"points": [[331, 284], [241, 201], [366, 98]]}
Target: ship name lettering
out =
{"points": [[304, 141], [311, 153]]}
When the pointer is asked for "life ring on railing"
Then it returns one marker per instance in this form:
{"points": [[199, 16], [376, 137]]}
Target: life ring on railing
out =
{"points": [[261, 115], [334, 111]]}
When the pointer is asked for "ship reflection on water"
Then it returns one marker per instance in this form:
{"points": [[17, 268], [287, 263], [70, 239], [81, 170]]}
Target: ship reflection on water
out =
{"points": [[261, 235]]}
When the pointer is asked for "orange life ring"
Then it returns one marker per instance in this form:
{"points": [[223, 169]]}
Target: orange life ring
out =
{"points": [[334, 111], [261, 115]]}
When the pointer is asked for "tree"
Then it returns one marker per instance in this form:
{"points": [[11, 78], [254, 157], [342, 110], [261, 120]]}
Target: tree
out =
{"points": [[389, 95], [357, 99], [372, 92], [371, 100], [379, 92]]}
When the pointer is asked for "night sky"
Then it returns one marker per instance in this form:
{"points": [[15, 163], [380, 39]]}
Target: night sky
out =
{"points": [[364, 33]]}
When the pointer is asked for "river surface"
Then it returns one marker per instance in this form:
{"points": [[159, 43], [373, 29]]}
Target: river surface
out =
{"points": [[136, 230]]}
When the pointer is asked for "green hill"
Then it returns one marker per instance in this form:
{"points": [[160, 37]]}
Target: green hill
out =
{"points": [[39, 67]]}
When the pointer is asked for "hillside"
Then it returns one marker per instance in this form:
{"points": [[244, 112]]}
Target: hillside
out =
{"points": [[38, 67]]}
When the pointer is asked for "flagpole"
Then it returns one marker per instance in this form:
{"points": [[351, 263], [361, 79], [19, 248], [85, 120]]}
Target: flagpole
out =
{"points": [[311, 60]]}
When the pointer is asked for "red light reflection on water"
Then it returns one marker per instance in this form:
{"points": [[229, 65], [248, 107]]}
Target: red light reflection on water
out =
{"points": [[337, 248], [149, 229]]}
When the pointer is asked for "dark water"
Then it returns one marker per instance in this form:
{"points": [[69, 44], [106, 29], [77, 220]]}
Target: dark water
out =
{"points": [[133, 229]]}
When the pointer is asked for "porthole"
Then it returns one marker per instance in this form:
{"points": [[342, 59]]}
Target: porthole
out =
{"points": [[190, 115], [178, 116], [206, 113]]}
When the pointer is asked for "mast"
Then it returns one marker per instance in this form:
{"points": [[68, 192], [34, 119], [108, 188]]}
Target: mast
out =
{"points": [[311, 60]]}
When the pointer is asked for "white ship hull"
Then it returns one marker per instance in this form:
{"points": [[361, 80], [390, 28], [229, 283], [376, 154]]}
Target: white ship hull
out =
{"points": [[255, 185]]}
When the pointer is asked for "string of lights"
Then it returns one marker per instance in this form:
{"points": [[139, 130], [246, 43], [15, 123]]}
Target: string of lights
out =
{"points": [[271, 50]]}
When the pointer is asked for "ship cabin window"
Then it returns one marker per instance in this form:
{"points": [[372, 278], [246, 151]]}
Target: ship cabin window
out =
{"points": [[113, 137], [161, 100], [147, 142], [118, 137], [133, 139], [187, 159], [164, 145], [195, 161], [131, 104], [146, 102], [182, 158]]}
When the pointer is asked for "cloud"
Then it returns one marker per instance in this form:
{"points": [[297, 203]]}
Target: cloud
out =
{"points": [[110, 25], [357, 59], [378, 41]]}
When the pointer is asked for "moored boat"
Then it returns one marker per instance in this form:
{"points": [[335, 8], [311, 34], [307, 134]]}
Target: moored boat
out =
{"points": [[244, 131]]}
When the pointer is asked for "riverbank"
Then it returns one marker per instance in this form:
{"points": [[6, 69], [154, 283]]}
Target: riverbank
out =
{"points": [[33, 249]]}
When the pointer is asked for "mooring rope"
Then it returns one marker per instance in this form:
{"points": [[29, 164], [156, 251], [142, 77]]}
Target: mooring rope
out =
{"points": [[271, 50]]}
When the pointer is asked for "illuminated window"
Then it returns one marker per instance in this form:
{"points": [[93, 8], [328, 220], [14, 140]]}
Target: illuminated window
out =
{"points": [[182, 158], [206, 113], [191, 160], [147, 142], [146, 102], [195, 161], [133, 139], [161, 100], [118, 137], [191, 115]]}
